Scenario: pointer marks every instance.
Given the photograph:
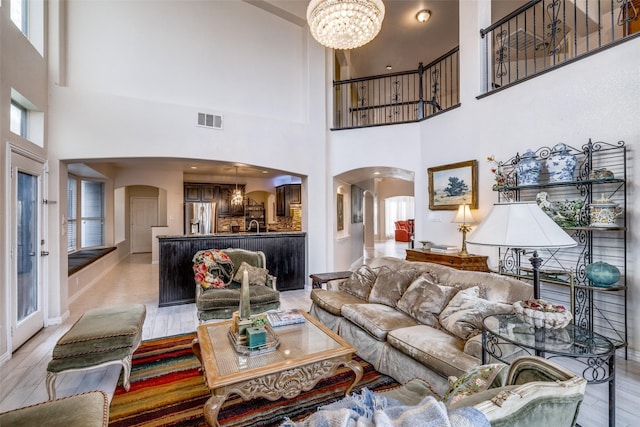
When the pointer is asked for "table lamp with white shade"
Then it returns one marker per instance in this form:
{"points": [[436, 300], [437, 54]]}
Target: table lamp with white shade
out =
{"points": [[464, 218], [521, 225]]}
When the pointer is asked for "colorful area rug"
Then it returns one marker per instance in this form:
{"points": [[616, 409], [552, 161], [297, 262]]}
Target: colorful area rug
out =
{"points": [[167, 389]]}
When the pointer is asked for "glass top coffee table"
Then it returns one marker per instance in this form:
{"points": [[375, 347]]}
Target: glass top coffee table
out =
{"points": [[308, 352], [594, 354]]}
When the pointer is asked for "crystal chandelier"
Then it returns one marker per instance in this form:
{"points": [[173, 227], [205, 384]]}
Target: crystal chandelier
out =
{"points": [[236, 196], [345, 24]]}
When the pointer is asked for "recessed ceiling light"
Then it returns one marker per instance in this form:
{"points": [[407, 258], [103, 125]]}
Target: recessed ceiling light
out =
{"points": [[423, 16], [194, 167], [265, 171], [389, 67], [376, 173]]}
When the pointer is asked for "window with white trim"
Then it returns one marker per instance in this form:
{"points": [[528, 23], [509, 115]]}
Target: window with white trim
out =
{"points": [[85, 214]]}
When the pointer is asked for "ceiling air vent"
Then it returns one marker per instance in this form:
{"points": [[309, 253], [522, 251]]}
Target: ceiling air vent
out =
{"points": [[211, 121]]}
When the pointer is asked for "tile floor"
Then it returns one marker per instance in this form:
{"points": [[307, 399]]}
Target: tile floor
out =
{"points": [[135, 279]]}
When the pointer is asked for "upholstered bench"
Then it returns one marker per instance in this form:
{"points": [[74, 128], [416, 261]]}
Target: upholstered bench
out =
{"points": [[101, 337], [89, 409]]}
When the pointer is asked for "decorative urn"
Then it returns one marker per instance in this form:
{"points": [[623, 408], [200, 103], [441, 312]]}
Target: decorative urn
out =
{"points": [[602, 274], [528, 169], [561, 164], [603, 213]]}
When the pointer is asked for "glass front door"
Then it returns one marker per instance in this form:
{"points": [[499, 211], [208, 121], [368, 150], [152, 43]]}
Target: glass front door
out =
{"points": [[26, 289]]}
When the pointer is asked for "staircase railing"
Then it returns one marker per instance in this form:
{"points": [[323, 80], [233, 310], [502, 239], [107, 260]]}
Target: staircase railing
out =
{"points": [[402, 97], [544, 34]]}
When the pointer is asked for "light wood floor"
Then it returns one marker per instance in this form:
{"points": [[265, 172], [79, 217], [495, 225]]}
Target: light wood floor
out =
{"points": [[135, 280]]}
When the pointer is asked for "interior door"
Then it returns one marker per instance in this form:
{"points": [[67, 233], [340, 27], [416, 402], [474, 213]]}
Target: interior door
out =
{"points": [[144, 215], [27, 283]]}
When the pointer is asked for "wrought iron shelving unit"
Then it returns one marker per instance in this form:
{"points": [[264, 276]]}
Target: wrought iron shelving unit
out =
{"points": [[601, 309]]}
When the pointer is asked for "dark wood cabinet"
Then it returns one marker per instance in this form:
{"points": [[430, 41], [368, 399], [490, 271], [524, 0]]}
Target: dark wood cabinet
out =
{"points": [[192, 192], [285, 196], [210, 193], [459, 262], [216, 193], [200, 192]]}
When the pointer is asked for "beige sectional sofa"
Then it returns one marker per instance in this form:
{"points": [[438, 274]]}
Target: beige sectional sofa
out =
{"points": [[416, 319]]}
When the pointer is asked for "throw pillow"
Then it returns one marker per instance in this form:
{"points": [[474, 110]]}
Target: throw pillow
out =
{"points": [[425, 299], [390, 285], [257, 275], [360, 282], [463, 315], [476, 380], [212, 268]]}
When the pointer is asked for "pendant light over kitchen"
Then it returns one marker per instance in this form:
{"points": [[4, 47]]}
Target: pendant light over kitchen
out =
{"points": [[236, 197]]}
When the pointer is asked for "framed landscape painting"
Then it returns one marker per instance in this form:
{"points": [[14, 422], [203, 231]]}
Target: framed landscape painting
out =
{"points": [[453, 185]]}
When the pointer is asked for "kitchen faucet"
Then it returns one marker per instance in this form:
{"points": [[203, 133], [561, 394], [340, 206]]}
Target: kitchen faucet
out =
{"points": [[257, 225]]}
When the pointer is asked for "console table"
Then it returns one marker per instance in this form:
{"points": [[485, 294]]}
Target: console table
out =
{"points": [[460, 262], [502, 332]]}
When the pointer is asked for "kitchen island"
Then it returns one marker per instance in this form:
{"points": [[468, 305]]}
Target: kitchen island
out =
{"points": [[285, 253]]}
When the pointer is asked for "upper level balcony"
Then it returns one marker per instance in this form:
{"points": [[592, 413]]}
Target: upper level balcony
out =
{"points": [[535, 38]]}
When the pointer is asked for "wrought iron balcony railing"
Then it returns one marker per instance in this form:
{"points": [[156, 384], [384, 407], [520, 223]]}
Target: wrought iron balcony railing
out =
{"points": [[543, 34], [403, 97]]}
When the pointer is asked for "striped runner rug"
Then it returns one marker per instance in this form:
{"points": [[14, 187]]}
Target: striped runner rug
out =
{"points": [[167, 389]]}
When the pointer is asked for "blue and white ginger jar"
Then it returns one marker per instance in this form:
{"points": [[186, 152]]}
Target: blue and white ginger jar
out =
{"points": [[561, 164], [528, 169]]}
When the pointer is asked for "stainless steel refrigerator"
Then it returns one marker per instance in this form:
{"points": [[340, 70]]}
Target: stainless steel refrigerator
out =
{"points": [[200, 218]]}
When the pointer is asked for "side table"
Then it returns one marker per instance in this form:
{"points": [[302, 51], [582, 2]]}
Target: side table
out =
{"points": [[318, 279], [594, 351], [460, 262]]}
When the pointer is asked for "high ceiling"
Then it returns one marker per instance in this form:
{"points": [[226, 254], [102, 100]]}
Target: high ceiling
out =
{"points": [[402, 43]]}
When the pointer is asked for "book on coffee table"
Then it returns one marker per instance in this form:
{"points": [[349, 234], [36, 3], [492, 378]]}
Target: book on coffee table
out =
{"points": [[284, 317]]}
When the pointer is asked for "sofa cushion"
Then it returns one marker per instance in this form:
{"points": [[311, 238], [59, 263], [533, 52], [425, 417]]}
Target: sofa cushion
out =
{"points": [[376, 319], [216, 298], [360, 282], [390, 284], [332, 301], [425, 299], [435, 348], [256, 275], [464, 313]]}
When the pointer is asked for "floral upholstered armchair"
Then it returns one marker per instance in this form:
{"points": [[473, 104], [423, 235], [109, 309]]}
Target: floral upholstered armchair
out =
{"points": [[217, 275]]}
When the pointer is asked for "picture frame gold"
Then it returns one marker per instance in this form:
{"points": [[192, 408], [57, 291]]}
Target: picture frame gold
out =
{"points": [[453, 185], [340, 211]]}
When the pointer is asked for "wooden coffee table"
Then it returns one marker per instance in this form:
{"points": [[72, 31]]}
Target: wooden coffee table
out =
{"points": [[308, 352]]}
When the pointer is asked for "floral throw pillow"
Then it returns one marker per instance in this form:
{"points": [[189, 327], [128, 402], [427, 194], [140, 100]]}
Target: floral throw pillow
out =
{"points": [[476, 380], [257, 275], [212, 268]]}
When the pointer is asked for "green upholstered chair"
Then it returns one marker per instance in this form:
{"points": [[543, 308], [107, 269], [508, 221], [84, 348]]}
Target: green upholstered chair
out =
{"points": [[89, 409], [220, 303], [534, 392]]}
